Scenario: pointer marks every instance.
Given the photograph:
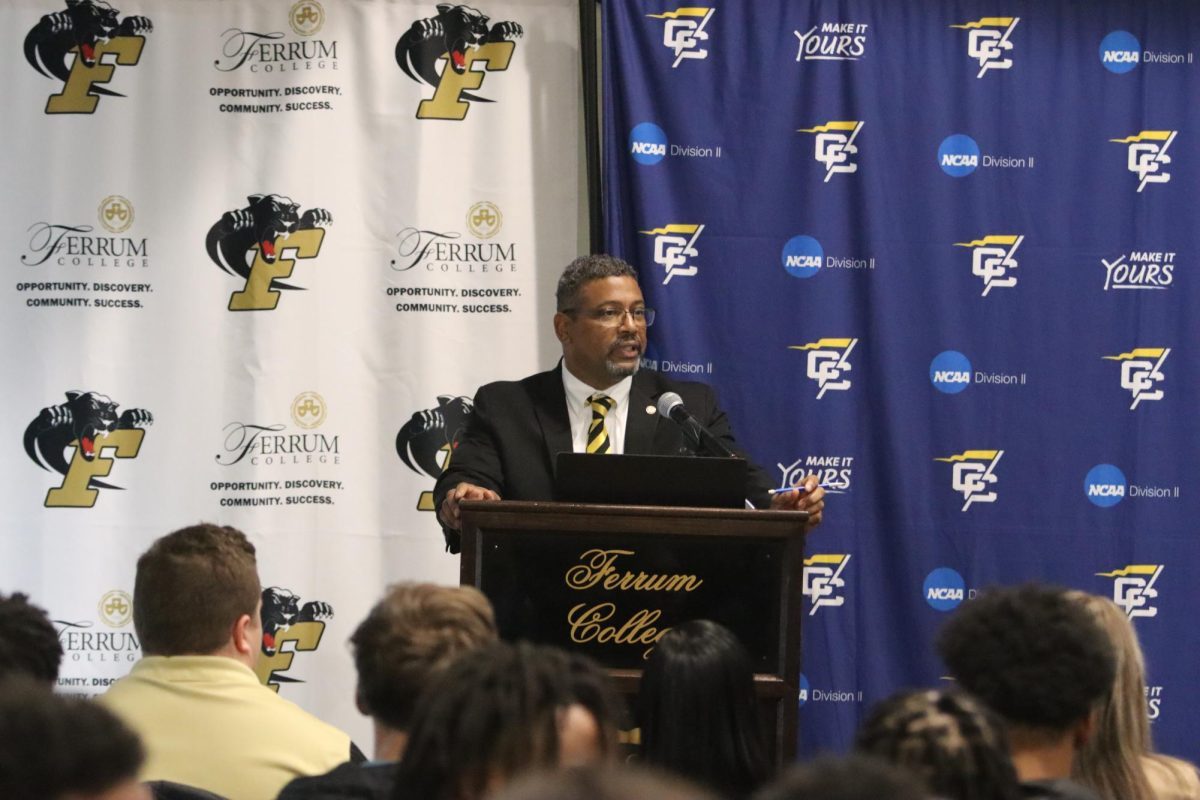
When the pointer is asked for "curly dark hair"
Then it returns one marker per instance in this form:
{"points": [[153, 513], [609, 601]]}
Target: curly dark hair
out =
{"points": [[957, 746], [28, 641], [1030, 653], [857, 777], [585, 269], [495, 714], [56, 745]]}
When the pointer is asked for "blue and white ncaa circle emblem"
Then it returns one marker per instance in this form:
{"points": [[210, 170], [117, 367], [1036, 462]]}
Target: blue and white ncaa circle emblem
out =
{"points": [[1120, 52], [648, 143], [958, 155], [804, 689], [802, 256], [944, 589], [1104, 485], [950, 372]]}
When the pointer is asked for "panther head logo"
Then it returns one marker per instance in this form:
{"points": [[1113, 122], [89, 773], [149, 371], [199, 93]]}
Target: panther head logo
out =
{"points": [[281, 610], [430, 432], [455, 30], [85, 418], [238, 235], [84, 25]]}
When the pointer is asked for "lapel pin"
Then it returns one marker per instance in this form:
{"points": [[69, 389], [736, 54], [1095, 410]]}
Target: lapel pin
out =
{"points": [[650, 409]]}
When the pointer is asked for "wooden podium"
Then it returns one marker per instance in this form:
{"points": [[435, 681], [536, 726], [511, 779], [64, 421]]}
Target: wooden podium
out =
{"points": [[607, 581]]}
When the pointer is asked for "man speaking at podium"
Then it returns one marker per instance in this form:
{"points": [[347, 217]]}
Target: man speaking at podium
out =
{"points": [[595, 401]]}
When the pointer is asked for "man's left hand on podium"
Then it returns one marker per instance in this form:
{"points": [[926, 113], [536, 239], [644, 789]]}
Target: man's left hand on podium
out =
{"points": [[810, 498]]}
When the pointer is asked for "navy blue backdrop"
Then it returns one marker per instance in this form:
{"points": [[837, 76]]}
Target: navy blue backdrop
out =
{"points": [[942, 254]]}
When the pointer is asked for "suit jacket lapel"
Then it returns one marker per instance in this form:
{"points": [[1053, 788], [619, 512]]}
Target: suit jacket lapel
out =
{"points": [[640, 426], [550, 407]]}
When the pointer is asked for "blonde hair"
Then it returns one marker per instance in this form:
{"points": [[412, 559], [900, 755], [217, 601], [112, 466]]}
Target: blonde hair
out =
{"points": [[1114, 760]]}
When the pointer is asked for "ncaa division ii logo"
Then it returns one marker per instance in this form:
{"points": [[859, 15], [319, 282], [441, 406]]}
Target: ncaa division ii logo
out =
{"points": [[958, 155], [427, 441], [1104, 485], [647, 143], [460, 37], [950, 372], [674, 245], [1120, 52], [682, 33], [828, 359], [250, 243], [1141, 369], [88, 423], [988, 42], [974, 475], [944, 589], [1148, 156], [91, 29], [1133, 588]]}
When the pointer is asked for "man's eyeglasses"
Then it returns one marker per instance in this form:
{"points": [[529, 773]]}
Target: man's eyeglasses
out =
{"points": [[611, 317]]}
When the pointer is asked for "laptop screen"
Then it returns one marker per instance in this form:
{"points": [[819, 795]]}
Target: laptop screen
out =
{"points": [[651, 480]]}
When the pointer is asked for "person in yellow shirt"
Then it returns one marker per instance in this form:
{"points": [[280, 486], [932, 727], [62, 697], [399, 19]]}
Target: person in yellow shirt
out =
{"points": [[205, 719]]}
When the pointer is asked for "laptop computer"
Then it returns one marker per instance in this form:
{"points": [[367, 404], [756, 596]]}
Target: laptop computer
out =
{"points": [[651, 480]]}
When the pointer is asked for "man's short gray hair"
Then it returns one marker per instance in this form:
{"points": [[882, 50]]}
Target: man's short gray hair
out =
{"points": [[585, 269]]}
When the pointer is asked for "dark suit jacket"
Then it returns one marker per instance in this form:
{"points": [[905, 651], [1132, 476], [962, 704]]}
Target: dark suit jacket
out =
{"points": [[372, 781], [518, 427]]}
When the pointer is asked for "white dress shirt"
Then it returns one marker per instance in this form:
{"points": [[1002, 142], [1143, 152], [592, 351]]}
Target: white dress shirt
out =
{"points": [[579, 409]]}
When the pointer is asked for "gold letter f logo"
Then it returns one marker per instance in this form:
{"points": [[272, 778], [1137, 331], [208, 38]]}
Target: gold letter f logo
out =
{"points": [[446, 102]]}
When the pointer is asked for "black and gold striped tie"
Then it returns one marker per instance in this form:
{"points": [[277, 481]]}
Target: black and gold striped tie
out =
{"points": [[597, 440]]}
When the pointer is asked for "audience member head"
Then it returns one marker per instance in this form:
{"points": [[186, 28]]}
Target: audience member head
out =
{"points": [[697, 709], [411, 635], [584, 270], [1038, 659], [496, 713], [1118, 761], [64, 748], [589, 732], [197, 593], [608, 782], [1110, 760], [854, 778], [28, 641], [953, 743]]}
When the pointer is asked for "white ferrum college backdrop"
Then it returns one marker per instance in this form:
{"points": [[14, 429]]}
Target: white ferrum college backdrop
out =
{"points": [[257, 258]]}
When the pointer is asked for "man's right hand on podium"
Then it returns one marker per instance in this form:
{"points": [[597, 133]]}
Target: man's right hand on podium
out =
{"points": [[449, 513]]}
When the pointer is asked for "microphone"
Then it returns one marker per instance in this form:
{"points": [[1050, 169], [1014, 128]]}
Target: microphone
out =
{"points": [[670, 405]]}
